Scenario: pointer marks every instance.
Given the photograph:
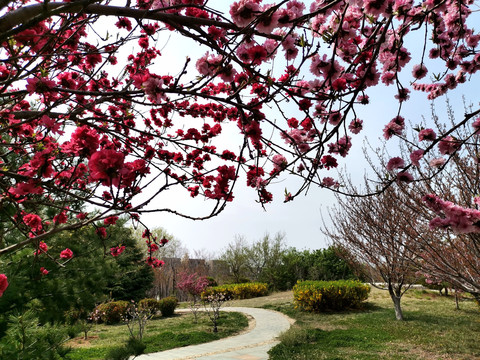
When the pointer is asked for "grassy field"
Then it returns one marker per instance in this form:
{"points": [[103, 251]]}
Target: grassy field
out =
{"points": [[161, 334], [433, 329]]}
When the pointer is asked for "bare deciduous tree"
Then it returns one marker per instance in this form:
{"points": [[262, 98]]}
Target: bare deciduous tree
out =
{"points": [[378, 239]]}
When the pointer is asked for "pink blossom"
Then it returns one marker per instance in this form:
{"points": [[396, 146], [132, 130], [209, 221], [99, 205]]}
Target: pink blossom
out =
{"points": [[42, 247], [394, 127], [244, 11], [111, 220], [270, 46], [416, 156], [404, 176], [476, 125], [3, 283], [335, 117], [52, 125], [33, 221], [419, 71], [101, 232], [81, 216], [329, 182], [341, 147], [267, 23], [279, 162], [375, 7], [461, 220], [388, 78], [154, 262], [117, 250], [448, 145], [299, 138], [288, 44], [39, 85], [131, 170], [193, 284], [395, 163], [323, 66], [257, 54], [427, 135], [154, 89], [66, 254], [437, 162], [43, 271], [60, 218], [356, 126], [329, 162], [105, 166], [124, 22], [403, 95]]}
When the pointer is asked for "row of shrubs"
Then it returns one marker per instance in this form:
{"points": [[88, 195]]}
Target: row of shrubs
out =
{"points": [[238, 291], [316, 296], [114, 312]]}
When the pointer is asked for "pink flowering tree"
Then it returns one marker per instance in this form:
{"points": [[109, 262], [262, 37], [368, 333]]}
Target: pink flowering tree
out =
{"points": [[87, 120], [441, 212], [193, 284]]}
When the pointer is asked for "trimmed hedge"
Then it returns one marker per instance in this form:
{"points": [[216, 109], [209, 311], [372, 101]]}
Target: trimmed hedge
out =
{"points": [[318, 296], [238, 291], [152, 305], [112, 312], [168, 305]]}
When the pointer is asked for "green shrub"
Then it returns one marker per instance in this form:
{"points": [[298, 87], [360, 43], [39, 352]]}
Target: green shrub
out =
{"points": [[238, 291], [211, 281], [133, 347], [113, 312], [329, 295], [118, 353], [136, 346], [151, 305], [168, 305]]}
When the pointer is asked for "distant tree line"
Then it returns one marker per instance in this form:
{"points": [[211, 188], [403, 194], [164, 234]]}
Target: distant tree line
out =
{"points": [[269, 260]]}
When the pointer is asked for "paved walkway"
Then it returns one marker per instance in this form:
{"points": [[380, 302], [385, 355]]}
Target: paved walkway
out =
{"points": [[252, 345]]}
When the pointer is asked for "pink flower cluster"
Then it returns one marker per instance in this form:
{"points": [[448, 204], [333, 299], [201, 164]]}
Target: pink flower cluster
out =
{"points": [[3, 283], [117, 250], [66, 254], [154, 262], [461, 220]]}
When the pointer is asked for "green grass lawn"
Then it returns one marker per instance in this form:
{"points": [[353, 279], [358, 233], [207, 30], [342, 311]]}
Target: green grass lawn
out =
{"points": [[161, 334], [433, 329]]}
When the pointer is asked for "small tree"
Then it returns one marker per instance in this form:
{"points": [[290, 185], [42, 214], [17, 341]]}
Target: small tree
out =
{"points": [[137, 317], [212, 304], [193, 284]]}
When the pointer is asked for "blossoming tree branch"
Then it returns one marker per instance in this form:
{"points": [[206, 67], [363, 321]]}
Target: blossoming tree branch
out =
{"points": [[89, 123]]}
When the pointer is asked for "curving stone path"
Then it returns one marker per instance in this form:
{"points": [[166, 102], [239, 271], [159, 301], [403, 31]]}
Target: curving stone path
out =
{"points": [[251, 345]]}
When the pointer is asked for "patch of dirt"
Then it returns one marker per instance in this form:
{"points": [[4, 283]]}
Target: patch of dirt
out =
{"points": [[79, 342]]}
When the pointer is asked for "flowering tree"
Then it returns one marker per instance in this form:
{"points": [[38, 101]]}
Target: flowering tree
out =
{"points": [[87, 124], [193, 284], [446, 209]]}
